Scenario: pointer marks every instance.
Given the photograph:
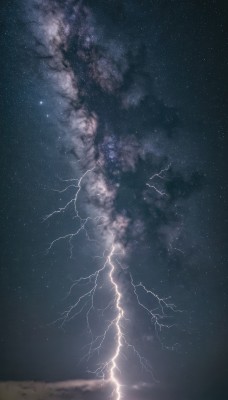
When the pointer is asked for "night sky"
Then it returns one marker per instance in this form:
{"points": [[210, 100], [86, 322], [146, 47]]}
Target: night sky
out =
{"points": [[135, 91]]}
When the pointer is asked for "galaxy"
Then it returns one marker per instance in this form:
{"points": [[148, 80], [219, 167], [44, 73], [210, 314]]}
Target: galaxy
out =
{"points": [[113, 215]]}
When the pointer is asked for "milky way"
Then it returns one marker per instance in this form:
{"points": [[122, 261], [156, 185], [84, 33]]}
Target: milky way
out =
{"points": [[111, 119]]}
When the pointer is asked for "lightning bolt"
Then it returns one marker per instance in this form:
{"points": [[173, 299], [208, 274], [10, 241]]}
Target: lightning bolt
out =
{"points": [[77, 184], [108, 272], [119, 333], [160, 175], [158, 314]]}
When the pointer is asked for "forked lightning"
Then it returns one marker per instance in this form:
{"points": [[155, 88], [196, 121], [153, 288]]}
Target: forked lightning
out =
{"points": [[109, 272]]}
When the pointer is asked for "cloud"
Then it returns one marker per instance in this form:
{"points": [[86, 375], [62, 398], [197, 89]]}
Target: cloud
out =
{"points": [[75, 389], [66, 390]]}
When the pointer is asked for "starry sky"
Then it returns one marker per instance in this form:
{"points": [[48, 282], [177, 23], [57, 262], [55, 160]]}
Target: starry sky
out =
{"points": [[135, 90]]}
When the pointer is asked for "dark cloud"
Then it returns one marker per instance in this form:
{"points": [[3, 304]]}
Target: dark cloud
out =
{"points": [[66, 390]]}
